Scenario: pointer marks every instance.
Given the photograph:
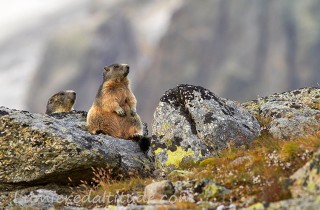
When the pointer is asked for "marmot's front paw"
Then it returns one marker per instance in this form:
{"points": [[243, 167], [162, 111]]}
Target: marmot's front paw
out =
{"points": [[121, 112]]}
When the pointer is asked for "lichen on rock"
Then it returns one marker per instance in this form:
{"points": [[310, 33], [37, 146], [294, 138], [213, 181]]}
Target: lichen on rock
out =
{"points": [[290, 114], [306, 181]]}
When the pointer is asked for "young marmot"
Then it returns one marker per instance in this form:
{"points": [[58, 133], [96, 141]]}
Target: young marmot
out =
{"points": [[62, 101], [114, 110]]}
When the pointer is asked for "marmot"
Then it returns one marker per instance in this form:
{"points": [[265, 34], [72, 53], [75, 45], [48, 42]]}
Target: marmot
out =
{"points": [[114, 110], [62, 101]]}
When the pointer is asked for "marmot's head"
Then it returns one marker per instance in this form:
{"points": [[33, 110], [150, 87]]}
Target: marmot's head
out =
{"points": [[62, 101], [116, 72]]}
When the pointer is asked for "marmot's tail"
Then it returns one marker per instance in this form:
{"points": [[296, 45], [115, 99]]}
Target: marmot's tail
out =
{"points": [[144, 142]]}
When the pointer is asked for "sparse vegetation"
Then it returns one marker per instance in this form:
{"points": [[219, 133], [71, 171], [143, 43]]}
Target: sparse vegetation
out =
{"points": [[255, 174]]}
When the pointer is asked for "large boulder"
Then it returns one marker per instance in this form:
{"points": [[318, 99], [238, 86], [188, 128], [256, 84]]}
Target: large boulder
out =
{"points": [[40, 150], [191, 123], [290, 114]]}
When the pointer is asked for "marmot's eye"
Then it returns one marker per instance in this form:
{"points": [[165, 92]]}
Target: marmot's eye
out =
{"points": [[116, 66]]}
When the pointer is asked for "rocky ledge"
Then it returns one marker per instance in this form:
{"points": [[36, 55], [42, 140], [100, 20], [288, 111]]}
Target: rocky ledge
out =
{"points": [[290, 114], [52, 151]]}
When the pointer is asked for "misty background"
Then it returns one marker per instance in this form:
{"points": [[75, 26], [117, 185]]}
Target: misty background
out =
{"points": [[237, 49]]}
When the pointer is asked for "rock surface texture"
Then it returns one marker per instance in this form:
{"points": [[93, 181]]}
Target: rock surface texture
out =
{"points": [[307, 203], [289, 114], [191, 123], [307, 179], [159, 190], [40, 150]]}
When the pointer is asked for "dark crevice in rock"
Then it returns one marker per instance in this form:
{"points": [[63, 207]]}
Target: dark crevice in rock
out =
{"points": [[172, 148], [76, 176], [62, 115], [295, 106], [3, 113], [296, 92], [2, 133], [247, 127], [177, 97], [177, 140], [182, 94]]}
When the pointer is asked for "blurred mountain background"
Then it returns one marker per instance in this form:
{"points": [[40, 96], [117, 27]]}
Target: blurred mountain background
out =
{"points": [[237, 49]]}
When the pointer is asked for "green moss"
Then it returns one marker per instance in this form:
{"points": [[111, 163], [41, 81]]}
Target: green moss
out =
{"points": [[318, 198], [175, 158], [179, 174], [168, 142], [164, 128], [213, 190], [254, 106], [207, 161], [315, 92], [257, 206], [210, 191], [315, 105], [311, 186], [110, 207]]}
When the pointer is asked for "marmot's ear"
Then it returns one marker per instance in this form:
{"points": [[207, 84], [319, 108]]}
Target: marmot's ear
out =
{"points": [[50, 101], [106, 68]]}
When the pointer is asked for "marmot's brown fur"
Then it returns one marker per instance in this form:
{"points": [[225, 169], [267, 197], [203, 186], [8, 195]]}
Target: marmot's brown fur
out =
{"points": [[114, 110], [62, 101]]}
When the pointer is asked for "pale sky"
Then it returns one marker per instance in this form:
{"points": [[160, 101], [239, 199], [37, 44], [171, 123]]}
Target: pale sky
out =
{"points": [[18, 14]]}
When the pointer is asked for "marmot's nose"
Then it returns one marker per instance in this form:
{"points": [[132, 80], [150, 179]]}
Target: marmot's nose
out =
{"points": [[71, 91], [127, 67]]}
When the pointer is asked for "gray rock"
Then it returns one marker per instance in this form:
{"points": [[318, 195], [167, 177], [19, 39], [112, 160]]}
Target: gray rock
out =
{"points": [[39, 149], [305, 203], [290, 114], [38, 199], [185, 190], [191, 123], [209, 189], [306, 181], [159, 191], [221, 207]]}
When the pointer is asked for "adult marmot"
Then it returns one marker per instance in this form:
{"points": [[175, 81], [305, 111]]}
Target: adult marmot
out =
{"points": [[114, 110], [62, 101]]}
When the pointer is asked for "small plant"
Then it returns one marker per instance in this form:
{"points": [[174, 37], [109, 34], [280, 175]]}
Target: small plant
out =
{"points": [[289, 150]]}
